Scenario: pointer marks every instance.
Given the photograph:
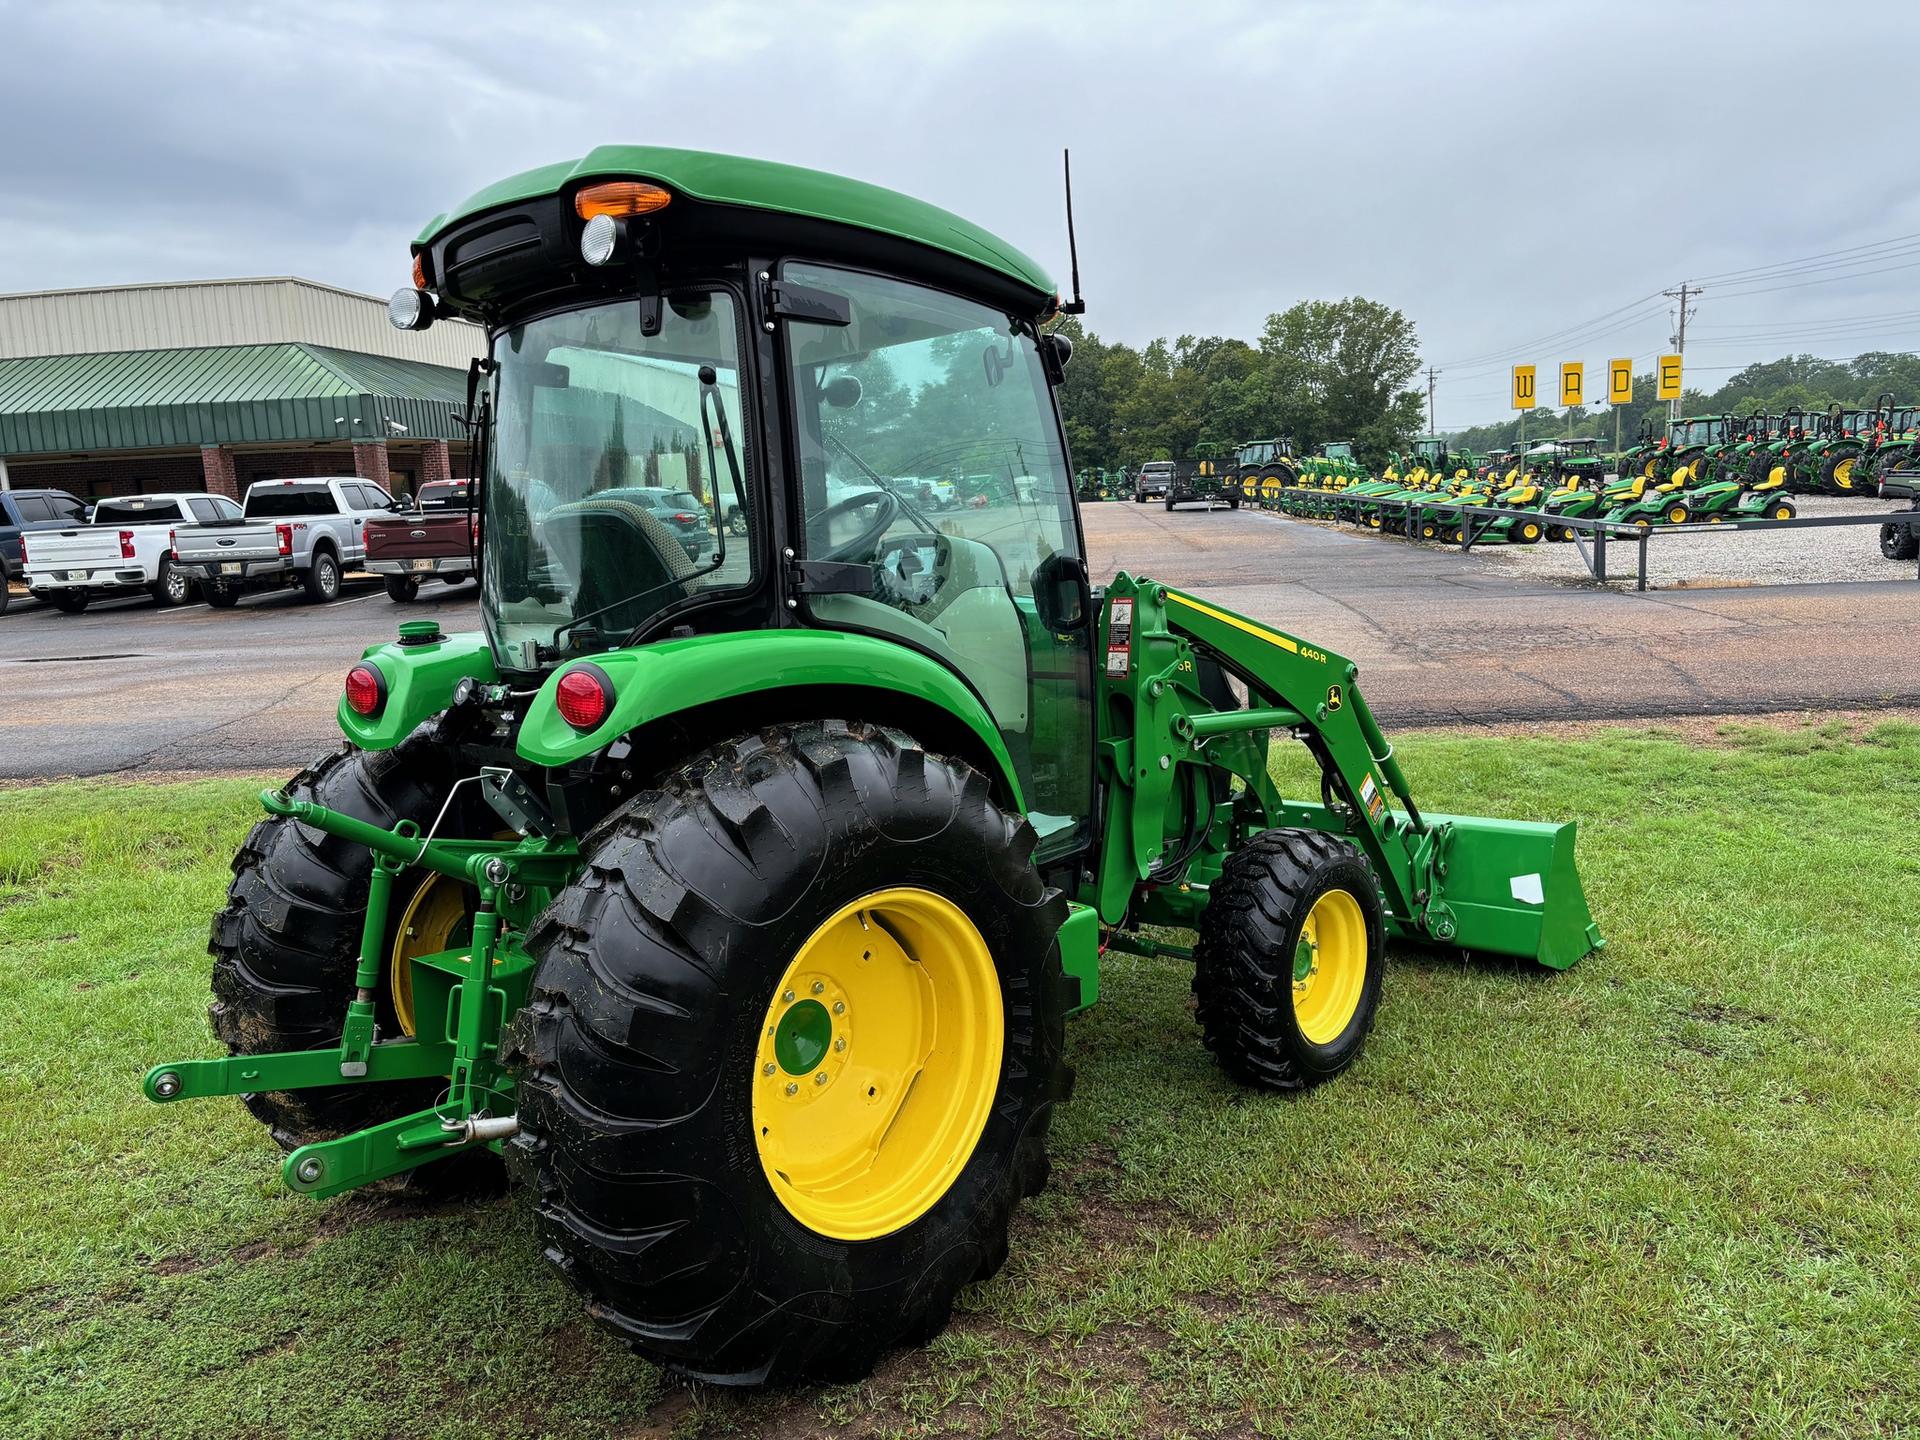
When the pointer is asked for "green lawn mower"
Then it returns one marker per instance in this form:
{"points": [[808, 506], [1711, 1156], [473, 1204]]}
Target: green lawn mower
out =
{"points": [[735, 907]]}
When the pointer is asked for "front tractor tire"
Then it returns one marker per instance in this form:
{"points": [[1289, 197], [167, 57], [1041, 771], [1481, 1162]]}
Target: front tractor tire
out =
{"points": [[791, 1053], [1288, 962], [285, 948]]}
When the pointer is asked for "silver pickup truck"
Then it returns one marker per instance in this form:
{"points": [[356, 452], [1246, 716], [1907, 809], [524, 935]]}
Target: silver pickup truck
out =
{"points": [[292, 533]]}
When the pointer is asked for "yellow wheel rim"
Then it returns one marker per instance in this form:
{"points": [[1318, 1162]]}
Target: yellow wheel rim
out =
{"points": [[1677, 515], [1843, 472], [1329, 967], [878, 1063], [428, 924]]}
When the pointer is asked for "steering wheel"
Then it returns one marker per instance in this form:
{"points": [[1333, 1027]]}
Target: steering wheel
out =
{"points": [[886, 507]]}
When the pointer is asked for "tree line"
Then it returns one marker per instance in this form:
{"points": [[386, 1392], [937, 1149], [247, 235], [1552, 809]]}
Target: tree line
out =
{"points": [[1321, 370], [1806, 381]]}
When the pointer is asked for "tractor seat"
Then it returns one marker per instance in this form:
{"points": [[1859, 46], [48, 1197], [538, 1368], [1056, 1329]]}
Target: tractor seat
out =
{"points": [[619, 555]]}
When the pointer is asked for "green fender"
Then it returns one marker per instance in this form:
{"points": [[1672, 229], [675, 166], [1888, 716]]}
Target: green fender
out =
{"points": [[652, 682], [420, 681]]}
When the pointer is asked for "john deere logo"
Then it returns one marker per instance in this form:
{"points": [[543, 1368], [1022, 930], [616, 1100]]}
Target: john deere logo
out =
{"points": [[1333, 697]]}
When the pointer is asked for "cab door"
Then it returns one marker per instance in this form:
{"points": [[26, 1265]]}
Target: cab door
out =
{"points": [[930, 450]]}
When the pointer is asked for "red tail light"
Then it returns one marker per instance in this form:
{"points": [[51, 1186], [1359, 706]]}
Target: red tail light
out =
{"points": [[685, 518], [284, 535], [173, 543], [366, 690], [126, 544], [473, 531], [584, 695]]}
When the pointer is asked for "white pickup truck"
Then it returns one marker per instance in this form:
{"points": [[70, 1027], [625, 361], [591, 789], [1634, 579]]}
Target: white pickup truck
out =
{"points": [[126, 547], [303, 533]]}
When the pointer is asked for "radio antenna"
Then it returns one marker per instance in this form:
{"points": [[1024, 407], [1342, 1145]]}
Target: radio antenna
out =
{"points": [[1077, 305]]}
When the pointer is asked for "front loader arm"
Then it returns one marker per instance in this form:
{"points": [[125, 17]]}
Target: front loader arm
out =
{"points": [[1171, 743]]}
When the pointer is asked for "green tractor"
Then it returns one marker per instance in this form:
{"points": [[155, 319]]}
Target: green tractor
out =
{"points": [[1740, 481], [1211, 478], [1265, 468], [736, 907]]}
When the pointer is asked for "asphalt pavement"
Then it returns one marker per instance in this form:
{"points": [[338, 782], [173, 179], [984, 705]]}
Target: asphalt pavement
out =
{"points": [[1440, 638]]}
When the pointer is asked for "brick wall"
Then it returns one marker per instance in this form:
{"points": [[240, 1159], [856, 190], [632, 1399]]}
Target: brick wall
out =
{"points": [[435, 462], [107, 475], [118, 475], [216, 463]]}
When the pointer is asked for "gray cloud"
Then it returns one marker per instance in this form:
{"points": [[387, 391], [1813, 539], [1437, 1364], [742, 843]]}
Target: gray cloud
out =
{"points": [[1500, 171]]}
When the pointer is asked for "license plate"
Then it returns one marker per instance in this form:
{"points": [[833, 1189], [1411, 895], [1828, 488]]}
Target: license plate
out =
{"points": [[230, 567], [423, 564]]}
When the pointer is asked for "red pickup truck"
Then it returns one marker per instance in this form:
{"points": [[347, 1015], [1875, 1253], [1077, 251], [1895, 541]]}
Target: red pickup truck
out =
{"points": [[435, 541]]}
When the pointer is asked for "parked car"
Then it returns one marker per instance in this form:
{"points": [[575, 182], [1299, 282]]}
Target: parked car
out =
{"points": [[436, 543], [690, 522], [126, 547], [1154, 479], [21, 513], [300, 533]]}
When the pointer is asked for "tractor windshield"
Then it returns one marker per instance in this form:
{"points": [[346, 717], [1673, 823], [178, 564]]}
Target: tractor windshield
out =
{"points": [[616, 475], [930, 453]]}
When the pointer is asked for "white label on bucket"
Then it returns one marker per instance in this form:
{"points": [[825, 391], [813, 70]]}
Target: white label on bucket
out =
{"points": [[1527, 888]]}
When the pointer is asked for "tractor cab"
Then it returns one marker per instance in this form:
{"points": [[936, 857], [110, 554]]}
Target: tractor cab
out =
{"points": [[790, 349]]}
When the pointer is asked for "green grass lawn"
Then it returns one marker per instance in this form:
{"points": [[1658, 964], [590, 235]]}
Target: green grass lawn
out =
{"points": [[1673, 1191]]}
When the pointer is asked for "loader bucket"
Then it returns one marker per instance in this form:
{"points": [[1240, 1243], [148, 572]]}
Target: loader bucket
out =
{"points": [[1512, 888]]}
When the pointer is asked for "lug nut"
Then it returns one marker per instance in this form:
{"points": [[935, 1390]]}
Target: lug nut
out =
{"points": [[819, 1077], [310, 1170], [792, 1089], [819, 986], [769, 1069], [839, 1007], [786, 997], [841, 1043]]}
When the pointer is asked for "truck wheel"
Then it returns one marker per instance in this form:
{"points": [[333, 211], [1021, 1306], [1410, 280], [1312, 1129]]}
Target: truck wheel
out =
{"points": [[1899, 542], [285, 948], [68, 602], [219, 594], [170, 587], [1288, 962], [791, 1053], [402, 588], [323, 577]]}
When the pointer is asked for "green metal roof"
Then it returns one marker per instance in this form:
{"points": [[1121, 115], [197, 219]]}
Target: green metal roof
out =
{"points": [[222, 394], [765, 185]]}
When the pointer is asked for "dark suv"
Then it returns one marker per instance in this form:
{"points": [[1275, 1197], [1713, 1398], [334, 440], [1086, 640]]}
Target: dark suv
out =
{"points": [[23, 512]]}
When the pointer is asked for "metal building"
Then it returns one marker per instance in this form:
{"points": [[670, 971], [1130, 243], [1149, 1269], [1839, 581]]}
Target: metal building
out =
{"points": [[215, 384]]}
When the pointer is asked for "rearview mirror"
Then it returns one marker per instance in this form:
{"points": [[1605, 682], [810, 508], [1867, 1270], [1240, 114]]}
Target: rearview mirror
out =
{"points": [[1061, 596], [842, 392]]}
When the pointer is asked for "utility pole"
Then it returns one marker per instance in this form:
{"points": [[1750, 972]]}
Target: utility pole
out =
{"points": [[1680, 338], [1432, 375]]}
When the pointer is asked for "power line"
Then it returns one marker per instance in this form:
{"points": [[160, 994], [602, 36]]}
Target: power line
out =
{"points": [[1827, 280], [1804, 259]]}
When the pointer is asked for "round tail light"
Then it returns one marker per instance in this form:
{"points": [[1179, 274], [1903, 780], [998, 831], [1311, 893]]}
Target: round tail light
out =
{"points": [[584, 696], [366, 691]]}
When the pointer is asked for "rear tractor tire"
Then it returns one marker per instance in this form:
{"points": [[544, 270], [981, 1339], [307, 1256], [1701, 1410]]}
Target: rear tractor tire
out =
{"points": [[286, 945], [1288, 963], [743, 1144]]}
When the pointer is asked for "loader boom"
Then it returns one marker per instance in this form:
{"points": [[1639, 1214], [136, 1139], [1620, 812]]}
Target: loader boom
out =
{"points": [[1185, 767]]}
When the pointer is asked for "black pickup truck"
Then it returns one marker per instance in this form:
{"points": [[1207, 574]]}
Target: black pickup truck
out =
{"points": [[1901, 542]]}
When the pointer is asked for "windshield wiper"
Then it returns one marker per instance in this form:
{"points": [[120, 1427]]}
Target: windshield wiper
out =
{"points": [[709, 395], [913, 510]]}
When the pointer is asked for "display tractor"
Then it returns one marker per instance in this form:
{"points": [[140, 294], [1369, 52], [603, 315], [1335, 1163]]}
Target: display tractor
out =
{"points": [[1210, 478], [735, 905]]}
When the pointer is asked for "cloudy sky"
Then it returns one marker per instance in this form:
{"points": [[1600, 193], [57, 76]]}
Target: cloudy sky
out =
{"points": [[1522, 179]]}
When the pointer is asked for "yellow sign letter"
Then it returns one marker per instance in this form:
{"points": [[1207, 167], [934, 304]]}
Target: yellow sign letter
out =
{"points": [[1523, 387], [1669, 374]]}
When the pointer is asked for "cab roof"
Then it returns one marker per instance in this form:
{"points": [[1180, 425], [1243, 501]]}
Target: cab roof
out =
{"points": [[765, 185]]}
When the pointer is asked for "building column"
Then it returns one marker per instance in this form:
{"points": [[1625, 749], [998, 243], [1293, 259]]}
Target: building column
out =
{"points": [[370, 461], [435, 462], [216, 463]]}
